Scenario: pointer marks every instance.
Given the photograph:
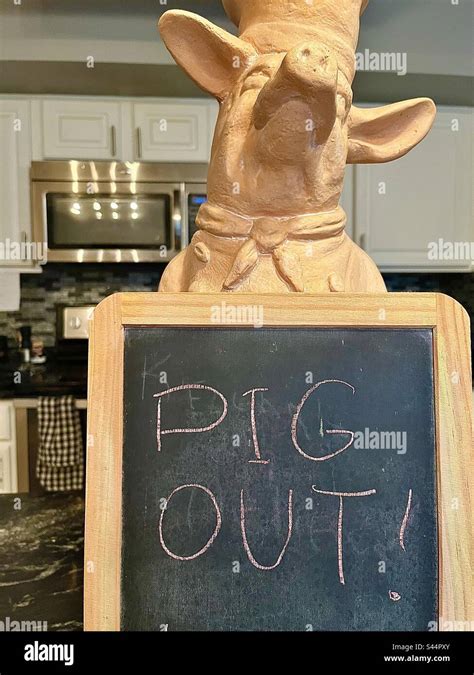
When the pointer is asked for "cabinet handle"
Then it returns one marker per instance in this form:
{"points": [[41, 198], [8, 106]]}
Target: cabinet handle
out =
{"points": [[180, 237], [363, 241], [139, 143], [113, 139]]}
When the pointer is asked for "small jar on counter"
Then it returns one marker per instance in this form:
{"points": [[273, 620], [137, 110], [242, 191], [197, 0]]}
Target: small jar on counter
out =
{"points": [[37, 351]]}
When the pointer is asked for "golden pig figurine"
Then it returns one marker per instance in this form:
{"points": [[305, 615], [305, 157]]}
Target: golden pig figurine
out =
{"points": [[285, 132]]}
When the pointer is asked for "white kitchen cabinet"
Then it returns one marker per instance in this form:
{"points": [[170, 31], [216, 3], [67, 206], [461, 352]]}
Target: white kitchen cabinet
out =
{"points": [[6, 420], [151, 130], [213, 115], [15, 213], [404, 206], [8, 454], [81, 129], [7, 479], [173, 131]]}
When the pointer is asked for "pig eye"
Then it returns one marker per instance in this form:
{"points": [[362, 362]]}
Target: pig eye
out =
{"points": [[258, 72], [255, 79]]}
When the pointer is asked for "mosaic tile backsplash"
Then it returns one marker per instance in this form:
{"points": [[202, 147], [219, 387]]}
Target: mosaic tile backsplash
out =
{"points": [[89, 284], [71, 285]]}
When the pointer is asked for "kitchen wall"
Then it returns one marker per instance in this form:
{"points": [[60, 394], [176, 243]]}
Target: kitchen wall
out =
{"points": [[44, 47], [89, 284], [125, 32]]}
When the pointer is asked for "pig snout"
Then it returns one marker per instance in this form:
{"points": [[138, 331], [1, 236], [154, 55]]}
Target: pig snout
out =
{"points": [[308, 73]]}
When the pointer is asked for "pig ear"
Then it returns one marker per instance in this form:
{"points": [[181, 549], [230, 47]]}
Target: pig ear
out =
{"points": [[383, 134], [211, 56]]}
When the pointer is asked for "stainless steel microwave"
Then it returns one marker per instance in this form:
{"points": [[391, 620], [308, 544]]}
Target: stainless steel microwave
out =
{"points": [[115, 212]]}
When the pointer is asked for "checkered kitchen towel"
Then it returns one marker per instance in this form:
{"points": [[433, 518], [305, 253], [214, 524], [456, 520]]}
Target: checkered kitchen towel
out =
{"points": [[60, 464]]}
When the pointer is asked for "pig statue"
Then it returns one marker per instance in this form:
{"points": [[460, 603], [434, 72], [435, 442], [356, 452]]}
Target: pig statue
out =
{"points": [[285, 132]]}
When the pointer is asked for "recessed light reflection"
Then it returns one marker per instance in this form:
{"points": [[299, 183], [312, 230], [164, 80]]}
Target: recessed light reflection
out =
{"points": [[113, 205], [115, 215], [133, 206], [97, 206], [134, 215], [98, 215]]}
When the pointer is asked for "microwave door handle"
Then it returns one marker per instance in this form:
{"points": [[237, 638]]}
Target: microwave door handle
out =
{"points": [[113, 140], [139, 143], [177, 221]]}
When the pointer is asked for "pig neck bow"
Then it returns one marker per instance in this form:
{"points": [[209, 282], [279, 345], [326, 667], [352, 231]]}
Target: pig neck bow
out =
{"points": [[269, 236]]}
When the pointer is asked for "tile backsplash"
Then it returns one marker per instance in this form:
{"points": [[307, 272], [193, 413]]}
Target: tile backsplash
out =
{"points": [[71, 285], [458, 286], [89, 284]]}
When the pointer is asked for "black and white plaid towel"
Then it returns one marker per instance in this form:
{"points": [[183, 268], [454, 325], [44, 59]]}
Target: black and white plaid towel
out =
{"points": [[60, 464]]}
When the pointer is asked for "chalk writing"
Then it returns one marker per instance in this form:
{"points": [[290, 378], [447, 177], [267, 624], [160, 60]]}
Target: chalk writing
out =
{"points": [[244, 533], [186, 387], [294, 424], [253, 423], [258, 460], [341, 495], [403, 526], [211, 539]]}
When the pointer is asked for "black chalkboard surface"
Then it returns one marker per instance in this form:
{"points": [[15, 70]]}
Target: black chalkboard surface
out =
{"points": [[309, 504]]}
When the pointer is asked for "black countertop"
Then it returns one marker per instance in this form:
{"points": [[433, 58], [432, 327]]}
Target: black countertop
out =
{"points": [[42, 560], [51, 379]]}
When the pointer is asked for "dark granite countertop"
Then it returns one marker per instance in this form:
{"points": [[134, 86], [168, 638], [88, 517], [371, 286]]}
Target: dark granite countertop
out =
{"points": [[41, 561], [51, 379]]}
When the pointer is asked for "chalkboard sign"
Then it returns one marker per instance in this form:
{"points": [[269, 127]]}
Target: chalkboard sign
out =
{"points": [[275, 472]]}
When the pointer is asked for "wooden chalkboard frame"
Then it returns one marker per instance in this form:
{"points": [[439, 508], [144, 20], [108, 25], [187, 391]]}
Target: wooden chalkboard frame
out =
{"points": [[453, 406]]}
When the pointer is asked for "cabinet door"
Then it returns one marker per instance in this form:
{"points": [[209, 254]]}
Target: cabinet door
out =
{"points": [[81, 129], [8, 459], [8, 481], [213, 115], [405, 208], [15, 215], [6, 420], [172, 132]]}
